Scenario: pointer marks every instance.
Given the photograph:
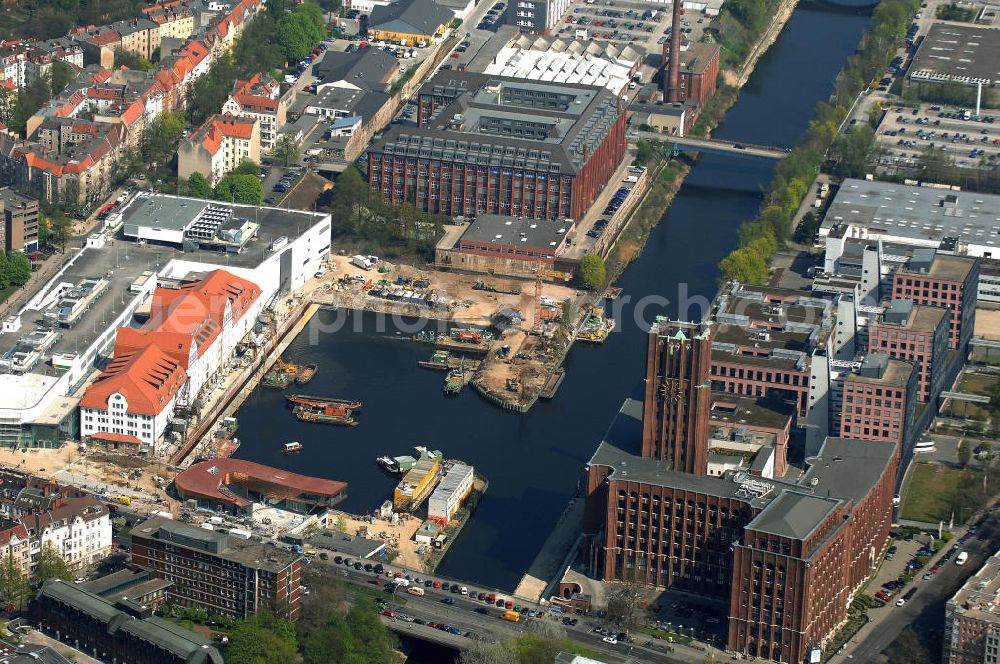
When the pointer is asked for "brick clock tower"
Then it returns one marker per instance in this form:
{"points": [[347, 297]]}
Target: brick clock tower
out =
{"points": [[678, 395]]}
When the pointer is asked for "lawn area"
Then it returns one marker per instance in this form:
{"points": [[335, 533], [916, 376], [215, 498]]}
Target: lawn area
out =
{"points": [[936, 491], [973, 383], [976, 383]]}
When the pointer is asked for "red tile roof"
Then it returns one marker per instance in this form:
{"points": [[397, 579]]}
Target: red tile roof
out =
{"points": [[116, 438], [193, 313], [146, 377], [206, 479], [105, 38], [211, 133]]}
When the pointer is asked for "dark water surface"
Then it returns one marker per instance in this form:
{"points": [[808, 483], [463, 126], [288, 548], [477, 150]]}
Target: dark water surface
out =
{"points": [[535, 462]]}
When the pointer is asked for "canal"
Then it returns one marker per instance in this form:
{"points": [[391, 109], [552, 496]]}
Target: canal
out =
{"points": [[536, 461]]}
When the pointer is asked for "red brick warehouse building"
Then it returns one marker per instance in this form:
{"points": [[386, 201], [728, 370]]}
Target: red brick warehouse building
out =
{"points": [[497, 145], [699, 70], [784, 555]]}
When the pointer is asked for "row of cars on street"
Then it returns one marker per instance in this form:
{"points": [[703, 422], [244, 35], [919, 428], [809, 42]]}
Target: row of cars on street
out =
{"points": [[492, 17]]}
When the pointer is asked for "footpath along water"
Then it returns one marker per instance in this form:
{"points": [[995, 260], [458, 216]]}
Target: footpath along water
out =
{"points": [[536, 461]]}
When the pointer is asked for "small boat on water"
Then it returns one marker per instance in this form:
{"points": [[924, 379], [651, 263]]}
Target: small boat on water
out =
{"points": [[343, 418], [455, 380], [276, 379], [322, 402], [307, 373], [293, 447], [388, 464]]}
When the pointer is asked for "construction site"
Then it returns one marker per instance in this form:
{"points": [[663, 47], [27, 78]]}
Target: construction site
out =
{"points": [[506, 337]]}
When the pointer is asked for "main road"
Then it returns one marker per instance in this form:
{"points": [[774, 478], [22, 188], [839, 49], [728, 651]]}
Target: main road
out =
{"points": [[479, 619], [925, 611]]}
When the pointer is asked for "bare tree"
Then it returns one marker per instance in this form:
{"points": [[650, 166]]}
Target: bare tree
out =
{"points": [[480, 652], [625, 602]]}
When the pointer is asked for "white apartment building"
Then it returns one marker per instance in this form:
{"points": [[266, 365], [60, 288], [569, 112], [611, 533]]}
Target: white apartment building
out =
{"points": [[79, 529], [259, 98]]}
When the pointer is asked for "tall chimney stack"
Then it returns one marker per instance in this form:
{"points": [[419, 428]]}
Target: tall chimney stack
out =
{"points": [[672, 76]]}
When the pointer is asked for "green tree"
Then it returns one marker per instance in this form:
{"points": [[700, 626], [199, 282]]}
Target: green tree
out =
{"points": [[245, 189], [28, 100], [44, 231], [247, 167], [645, 152], [357, 637], [51, 565], [198, 186], [592, 272], [18, 268], [298, 33], [964, 453], [262, 639], [61, 75], [852, 151], [61, 227], [13, 583], [340, 525], [131, 60], [286, 149]]}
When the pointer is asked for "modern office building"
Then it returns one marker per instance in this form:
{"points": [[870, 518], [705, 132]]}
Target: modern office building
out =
{"points": [[942, 280], [536, 16], [61, 335], [19, 231], [496, 145], [959, 222], [218, 572], [917, 334], [193, 329], [955, 53], [878, 401]]}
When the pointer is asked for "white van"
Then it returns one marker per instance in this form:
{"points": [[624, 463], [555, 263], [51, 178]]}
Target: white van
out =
{"points": [[961, 558]]}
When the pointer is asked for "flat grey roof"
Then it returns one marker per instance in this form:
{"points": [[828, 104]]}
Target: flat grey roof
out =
{"points": [[499, 229], [923, 214], [245, 552], [843, 470], [847, 468], [507, 122], [351, 545], [793, 514], [963, 53], [170, 212]]}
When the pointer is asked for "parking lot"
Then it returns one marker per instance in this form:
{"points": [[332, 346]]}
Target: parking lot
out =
{"points": [[905, 135], [627, 24]]}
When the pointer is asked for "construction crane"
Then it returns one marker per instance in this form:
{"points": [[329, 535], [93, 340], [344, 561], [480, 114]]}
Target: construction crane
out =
{"points": [[538, 299], [287, 367]]}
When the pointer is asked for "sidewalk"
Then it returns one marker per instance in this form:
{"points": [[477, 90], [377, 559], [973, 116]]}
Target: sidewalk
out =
{"points": [[877, 616]]}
